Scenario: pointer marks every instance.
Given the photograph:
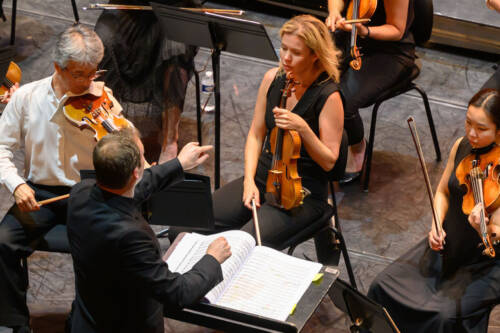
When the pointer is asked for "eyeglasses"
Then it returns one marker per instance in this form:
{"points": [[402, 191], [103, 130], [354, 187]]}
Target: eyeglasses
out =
{"points": [[83, 78]]}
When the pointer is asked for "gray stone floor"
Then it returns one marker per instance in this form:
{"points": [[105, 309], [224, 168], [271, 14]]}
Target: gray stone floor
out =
{"points": [[378, 226]]}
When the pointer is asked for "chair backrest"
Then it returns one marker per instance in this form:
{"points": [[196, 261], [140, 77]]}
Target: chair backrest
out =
{"points": [[422, 23]]}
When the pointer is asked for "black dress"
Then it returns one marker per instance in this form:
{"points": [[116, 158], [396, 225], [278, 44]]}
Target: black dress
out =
{"points": [[384, 63], [426, 292], [277, 225]]}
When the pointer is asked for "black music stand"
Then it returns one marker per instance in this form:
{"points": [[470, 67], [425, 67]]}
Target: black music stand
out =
{"points": [[366, 315], [6, 56], [219, 33], [228, 320]]}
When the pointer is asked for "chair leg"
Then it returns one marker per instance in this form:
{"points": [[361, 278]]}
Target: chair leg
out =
{"points": [[369, 149], [347, 261], [430, 120], [13, 23], [198, 105], [24, 262]]}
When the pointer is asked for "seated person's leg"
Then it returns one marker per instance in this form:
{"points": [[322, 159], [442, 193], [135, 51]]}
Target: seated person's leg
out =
{"points": [[19, 235], [277, 225]]}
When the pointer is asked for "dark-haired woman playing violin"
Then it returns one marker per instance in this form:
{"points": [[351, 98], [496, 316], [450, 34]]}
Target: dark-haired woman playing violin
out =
{"points": [[314, 110], [388, 50], [426, 292]]}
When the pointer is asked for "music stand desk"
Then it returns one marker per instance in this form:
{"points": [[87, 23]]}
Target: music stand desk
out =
{"points": [[221, 318]]}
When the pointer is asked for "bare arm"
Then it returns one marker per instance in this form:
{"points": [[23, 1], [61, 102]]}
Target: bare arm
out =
{"points": [[255, 139], [441, 199], [396, 12], [324, 149], [493, 4]]}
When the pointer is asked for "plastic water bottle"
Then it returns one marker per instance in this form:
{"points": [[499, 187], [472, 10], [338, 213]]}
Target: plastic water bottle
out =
{"points": [[207, 91]]}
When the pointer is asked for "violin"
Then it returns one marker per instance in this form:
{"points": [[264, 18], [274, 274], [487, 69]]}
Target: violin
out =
{"points": [[480, 174], [13, 76], [284, 185], [94, 112], [358, 9]]}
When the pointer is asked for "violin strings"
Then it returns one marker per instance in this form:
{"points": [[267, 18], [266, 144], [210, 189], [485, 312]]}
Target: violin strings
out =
{"points": [[478, 195]]}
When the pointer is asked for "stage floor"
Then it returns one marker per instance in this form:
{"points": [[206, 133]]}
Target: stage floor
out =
{"points": [[378, 226]]}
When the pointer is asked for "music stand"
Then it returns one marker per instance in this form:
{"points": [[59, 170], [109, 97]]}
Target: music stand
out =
{"points": [[6, 56], [366, 315], [187, 204], [219, 33]]}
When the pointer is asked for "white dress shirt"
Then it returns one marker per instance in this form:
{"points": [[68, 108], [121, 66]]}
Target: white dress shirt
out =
{"points": [[55, 149]]}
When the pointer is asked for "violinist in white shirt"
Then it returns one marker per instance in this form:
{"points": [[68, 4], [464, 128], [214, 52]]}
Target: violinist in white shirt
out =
{"points": [[54, 152]]}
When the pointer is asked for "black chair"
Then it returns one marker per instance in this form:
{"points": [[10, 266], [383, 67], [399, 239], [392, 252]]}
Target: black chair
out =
{"points": [[328, 239], [56, 240], [421, 28]]}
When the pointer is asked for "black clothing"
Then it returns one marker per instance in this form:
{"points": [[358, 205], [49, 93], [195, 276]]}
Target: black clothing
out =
{"points": [[426, 292], [384, 63], [404, 46], [277, 225], [122, 283], [20, 234]]}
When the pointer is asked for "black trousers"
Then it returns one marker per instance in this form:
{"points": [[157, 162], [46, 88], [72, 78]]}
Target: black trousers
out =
{"points": [[275, 225], [20, 234], [379, 72]]}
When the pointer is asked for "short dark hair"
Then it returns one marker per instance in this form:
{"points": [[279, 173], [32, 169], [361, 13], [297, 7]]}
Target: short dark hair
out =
{"points": [[489, 100], [115, 157]]}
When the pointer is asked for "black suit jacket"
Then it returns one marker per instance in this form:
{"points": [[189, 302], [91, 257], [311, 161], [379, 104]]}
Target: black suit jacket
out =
{"points": [[122, 282]]}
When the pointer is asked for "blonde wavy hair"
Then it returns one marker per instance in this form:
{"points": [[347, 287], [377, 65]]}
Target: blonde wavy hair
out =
{"points": [[318, 39]]}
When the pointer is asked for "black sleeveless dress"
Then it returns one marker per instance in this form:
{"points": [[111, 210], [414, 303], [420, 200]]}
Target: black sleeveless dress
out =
{"points": [[277, 225], [426, 292]]}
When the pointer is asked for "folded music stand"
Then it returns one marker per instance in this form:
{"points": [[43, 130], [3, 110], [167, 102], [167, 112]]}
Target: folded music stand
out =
{"points": [[219, 33], [6, 56], [366, 315]]}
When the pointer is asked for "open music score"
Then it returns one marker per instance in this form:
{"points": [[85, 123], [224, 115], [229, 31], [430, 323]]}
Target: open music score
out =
{"points": [[257, 279]]}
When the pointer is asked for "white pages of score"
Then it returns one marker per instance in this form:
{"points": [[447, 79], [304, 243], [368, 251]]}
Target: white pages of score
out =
{"points": [[257, 279]]}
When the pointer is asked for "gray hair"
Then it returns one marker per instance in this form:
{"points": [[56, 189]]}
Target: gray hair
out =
{"points": [[79, 44]]}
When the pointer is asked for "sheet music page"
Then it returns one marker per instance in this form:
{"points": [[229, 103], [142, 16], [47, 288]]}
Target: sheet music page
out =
{"points": [[193, 247], [269, 284]]}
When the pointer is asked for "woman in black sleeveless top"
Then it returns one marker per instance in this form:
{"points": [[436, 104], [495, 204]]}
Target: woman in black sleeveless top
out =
{"points": [[388, 50], [316, 113], [426, 292]]}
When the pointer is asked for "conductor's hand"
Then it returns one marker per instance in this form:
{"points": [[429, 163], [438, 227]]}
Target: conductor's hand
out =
{"points": [[435, 242], [5, 98], [250, 191], [219, 249], [25, 198], [332, 19], [193, 155]]}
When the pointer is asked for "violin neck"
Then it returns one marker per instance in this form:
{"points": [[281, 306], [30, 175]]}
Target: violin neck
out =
{"points": [[7, 83], [355, 16]]}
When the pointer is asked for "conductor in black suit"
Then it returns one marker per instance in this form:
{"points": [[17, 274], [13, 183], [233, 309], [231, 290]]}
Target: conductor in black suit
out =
{"points": [[122, 283]]}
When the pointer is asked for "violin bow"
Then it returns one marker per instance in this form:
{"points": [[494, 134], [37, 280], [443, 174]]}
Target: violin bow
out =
{"points": [[416, 140], [134, 7], [51, 200], [256, 222]]}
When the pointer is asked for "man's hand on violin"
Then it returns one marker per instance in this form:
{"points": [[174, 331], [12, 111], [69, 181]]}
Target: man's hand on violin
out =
{"points": [[25, 198], [287, 120], [193, 155], [436, 243], [250, 191], [5, 98]]}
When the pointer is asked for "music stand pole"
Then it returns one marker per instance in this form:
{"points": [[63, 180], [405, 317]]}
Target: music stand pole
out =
{"points": [[216, 69]]}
